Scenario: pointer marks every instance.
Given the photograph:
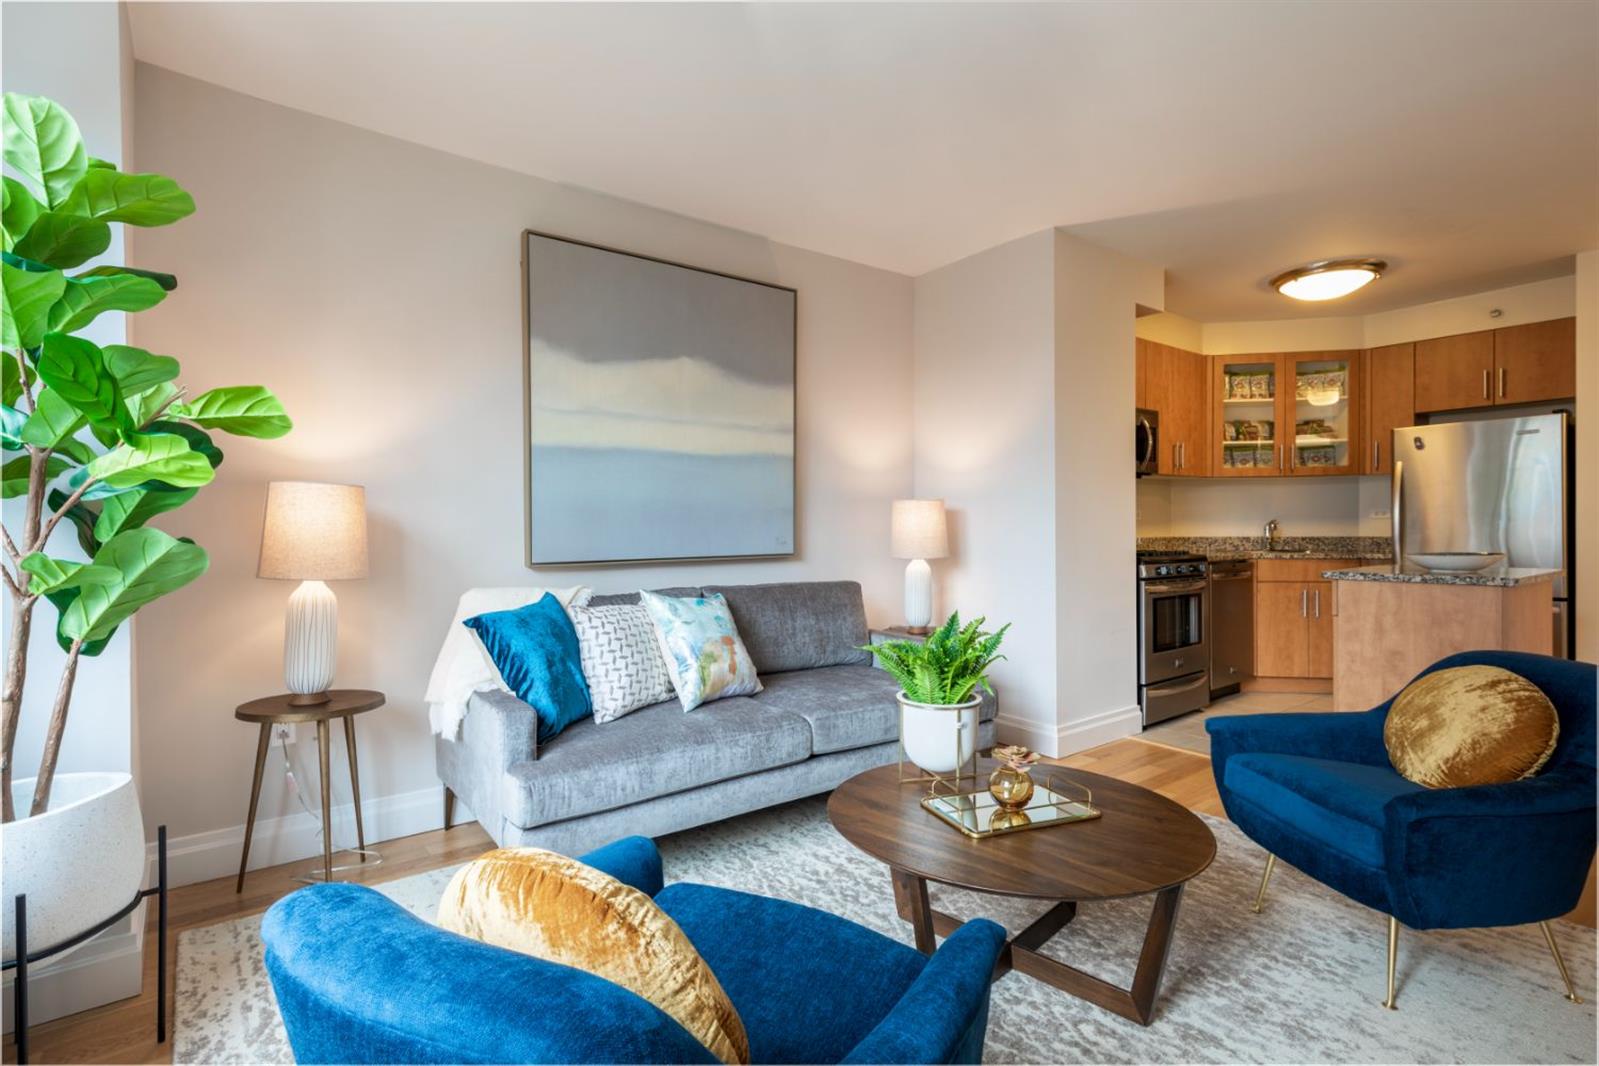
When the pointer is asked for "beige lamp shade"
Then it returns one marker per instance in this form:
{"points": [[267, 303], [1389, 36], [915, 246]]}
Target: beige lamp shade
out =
{"points": [[313, 532], [919, 530]]}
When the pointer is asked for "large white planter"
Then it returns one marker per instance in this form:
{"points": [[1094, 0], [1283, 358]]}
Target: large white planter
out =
{"points": [[938, 737], [79, 862]]}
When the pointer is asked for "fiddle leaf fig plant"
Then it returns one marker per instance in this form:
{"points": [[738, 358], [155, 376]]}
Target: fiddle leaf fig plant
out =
{"points": [[104, 437]]}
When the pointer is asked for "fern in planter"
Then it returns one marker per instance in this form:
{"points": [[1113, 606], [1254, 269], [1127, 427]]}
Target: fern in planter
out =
{"points": [[946, 668], [103, 438]]}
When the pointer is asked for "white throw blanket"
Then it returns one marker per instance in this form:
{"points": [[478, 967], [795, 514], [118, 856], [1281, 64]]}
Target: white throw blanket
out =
{"points": [[463, 666]]}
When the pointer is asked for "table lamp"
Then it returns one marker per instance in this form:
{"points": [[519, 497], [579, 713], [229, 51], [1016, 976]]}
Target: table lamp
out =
{"points": [[919, 533], [312, 533]]}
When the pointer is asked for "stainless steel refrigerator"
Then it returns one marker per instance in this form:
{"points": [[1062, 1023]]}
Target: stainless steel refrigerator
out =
{"points": [[1494, 485]]}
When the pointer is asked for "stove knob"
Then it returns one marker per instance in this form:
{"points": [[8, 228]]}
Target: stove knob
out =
{"points": [[1162, 571]]}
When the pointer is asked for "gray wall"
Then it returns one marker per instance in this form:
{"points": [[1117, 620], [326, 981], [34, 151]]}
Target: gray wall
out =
{"points": [[374, 284]]}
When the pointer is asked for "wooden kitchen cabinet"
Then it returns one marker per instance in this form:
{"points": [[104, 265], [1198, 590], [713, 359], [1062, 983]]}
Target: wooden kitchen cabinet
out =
{"points": [[1535, 362], [1455, 372], [1319, 629], [1245, 417], [1282, 643], [1141, 357], [1390, 402], [1295, 414], [1294, 618], [1175, 385]]}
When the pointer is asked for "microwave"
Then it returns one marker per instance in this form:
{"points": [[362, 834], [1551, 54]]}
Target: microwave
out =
{"points": [[1146, 433]]}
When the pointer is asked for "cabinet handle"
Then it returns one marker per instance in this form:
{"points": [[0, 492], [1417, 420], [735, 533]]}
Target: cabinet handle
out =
{"points": [[1376, 455], [1318, 603], [1304, 597], [1501, 383], [1182, 455], [1280, 457], [1485, 395], [1176, 456]]}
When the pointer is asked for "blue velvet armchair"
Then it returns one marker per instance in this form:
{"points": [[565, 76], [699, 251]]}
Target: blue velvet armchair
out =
{"points": [[359, 979], [1318, 791]]}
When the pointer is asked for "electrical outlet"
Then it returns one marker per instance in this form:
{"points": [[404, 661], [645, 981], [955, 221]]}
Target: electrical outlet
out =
{"points": [[1381, 512], [283, 734]]}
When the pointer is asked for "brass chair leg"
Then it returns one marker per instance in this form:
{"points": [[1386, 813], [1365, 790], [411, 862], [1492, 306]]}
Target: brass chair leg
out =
{"points": [[1260, 897], [1560, 963], [1393, 957]]}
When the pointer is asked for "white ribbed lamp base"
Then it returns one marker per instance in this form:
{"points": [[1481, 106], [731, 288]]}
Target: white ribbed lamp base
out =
{"points": [[918, 595], [310, 641]]}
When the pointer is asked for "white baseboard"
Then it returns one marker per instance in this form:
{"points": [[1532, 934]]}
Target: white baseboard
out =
{"points": [[1056, 739], [108, 968], [215, 853], [1101, 728]]}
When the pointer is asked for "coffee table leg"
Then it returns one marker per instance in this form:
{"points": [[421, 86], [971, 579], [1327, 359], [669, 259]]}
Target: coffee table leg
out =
{"points": [[1157, 944], [910, 896]]}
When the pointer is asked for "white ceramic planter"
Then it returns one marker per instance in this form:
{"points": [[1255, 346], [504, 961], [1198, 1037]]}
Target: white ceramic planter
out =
{"points": [[79, 862], [938, 737]]}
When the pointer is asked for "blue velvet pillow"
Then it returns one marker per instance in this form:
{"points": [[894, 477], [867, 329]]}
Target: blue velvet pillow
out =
{"points": [[536, 651]]}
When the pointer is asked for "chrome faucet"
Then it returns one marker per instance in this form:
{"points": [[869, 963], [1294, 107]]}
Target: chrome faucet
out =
{"points": [[1269, 533]]}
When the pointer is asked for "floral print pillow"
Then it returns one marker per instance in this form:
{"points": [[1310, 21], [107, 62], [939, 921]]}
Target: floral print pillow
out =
{"points": [[704, 656]]}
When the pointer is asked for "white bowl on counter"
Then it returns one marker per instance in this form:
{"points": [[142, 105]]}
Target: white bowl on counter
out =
{"points": [[1456, 562]]}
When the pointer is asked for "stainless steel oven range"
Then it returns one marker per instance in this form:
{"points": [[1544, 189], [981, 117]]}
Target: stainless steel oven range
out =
{"points": [[1174, 648]]}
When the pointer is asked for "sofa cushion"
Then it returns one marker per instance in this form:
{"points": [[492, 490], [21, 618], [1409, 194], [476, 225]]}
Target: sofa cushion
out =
{"points": [[865, 973], [1339, 803], [847, 707], [535, 649], [596, 766], [611, 599], [799, 625]]}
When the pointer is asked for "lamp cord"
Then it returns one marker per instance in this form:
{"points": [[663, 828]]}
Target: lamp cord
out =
{"points": [[373, 858]]}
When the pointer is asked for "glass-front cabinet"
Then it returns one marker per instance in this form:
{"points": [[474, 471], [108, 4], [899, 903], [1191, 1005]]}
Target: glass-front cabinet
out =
{"points": [[1285, 414], [1247, 392], [1320, 412]]}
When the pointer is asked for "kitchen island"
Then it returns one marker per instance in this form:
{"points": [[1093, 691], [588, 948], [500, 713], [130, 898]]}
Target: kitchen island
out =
{"points": [[1390, 622]]}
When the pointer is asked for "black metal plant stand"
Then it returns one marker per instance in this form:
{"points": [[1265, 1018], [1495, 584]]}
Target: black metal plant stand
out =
{"points": [[25, 958]]}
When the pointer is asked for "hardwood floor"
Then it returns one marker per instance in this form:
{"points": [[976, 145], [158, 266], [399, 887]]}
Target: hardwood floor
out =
{"points": [[125, 1031]]}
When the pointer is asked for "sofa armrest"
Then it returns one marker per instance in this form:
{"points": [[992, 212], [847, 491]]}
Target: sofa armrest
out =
{"points": [[943, 1016], [634, 861], [1344, 736], [1491, 854], [502, 727]]}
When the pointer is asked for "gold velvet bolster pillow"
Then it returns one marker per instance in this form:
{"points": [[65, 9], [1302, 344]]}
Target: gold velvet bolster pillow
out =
{"points": [[555, 908], [1470, 725]]}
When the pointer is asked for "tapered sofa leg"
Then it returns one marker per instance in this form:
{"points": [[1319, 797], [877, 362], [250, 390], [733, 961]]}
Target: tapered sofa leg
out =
{"points": [[1393, 958], [1260, 897], [449, 807], [1560, 962]]}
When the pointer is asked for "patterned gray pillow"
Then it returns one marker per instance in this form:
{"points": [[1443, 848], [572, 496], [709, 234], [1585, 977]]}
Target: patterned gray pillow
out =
{"points": [[622, 660]]}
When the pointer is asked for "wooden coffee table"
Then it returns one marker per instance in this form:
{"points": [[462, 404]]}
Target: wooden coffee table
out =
{"points": [[1143, 843]]}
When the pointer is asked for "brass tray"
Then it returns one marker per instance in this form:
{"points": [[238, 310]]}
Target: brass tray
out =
{"points": [[978, 814]]}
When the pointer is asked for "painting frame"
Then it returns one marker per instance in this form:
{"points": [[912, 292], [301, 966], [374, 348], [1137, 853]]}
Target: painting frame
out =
{"points": [[528, 416]]}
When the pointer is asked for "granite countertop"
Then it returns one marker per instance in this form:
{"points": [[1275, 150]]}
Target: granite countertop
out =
{"points": [[1222, 549], [1410, 574]]}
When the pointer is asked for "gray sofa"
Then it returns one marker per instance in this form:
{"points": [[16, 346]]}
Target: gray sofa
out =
{"points": [[825, 714]]}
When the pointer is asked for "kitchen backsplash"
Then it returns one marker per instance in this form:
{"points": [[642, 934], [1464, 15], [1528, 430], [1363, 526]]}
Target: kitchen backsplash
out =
{"points": [[1374, 548]]}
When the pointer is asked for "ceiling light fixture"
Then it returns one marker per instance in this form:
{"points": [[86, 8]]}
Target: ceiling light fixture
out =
{"points": [[1328, 279]]}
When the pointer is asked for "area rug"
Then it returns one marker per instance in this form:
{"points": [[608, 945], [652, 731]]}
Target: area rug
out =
{"points": [[1301, 982]]}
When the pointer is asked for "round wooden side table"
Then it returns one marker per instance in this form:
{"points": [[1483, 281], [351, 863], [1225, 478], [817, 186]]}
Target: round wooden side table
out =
{"points": [[272, 711]]}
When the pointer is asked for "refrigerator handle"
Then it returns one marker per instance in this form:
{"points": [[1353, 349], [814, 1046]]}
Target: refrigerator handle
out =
{"points": [[1397, 511]]}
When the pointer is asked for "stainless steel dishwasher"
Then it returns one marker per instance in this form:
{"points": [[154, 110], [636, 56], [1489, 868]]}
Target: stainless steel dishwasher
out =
{"points": [[1232, 625]]}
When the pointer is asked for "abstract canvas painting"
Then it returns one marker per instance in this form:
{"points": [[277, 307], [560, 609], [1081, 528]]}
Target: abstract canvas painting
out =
{"points": [[660, 409]]}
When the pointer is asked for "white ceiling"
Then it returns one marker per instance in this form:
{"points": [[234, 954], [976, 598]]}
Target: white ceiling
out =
{"points": [[1226, 141]]}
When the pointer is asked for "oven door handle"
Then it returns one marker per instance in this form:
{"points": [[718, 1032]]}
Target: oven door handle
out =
{"points": [[1192, 586]]}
